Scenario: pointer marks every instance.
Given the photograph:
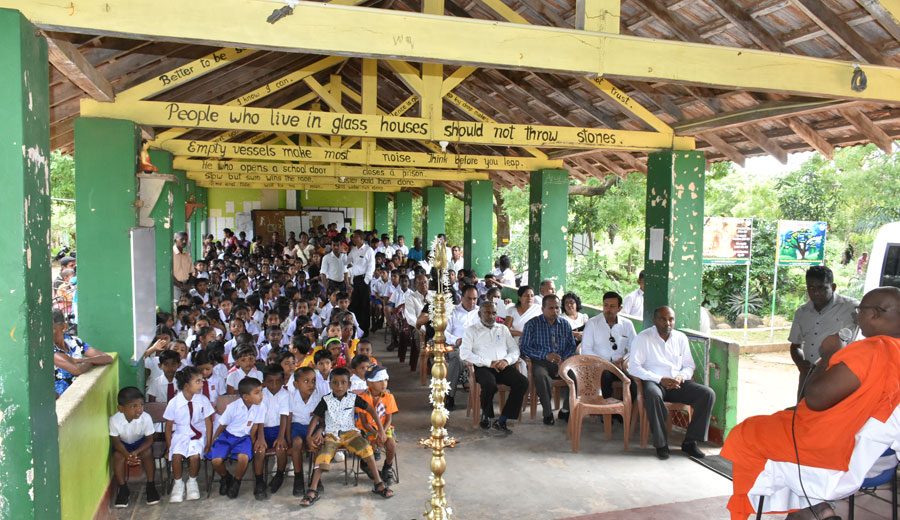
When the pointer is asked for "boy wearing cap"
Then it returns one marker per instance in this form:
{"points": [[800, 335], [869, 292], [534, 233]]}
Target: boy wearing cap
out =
{"points": [[385, 406]]}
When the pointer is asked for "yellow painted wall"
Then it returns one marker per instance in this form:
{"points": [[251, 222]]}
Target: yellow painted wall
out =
{"points": [[346, 199], [83, 420]]}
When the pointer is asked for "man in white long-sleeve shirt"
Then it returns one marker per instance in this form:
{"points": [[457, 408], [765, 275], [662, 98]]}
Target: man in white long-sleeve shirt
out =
{"points": [[416, 315], [362, 269], [634, 301], [609, 337], [661, 357], [464, 314], [491, 348]]}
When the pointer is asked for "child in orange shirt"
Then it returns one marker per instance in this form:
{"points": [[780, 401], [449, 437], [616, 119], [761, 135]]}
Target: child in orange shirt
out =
{"points": [[385, 406]]}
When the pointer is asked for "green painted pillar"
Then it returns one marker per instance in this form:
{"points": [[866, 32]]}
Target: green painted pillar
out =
{"points": [[381, 212], [197, 220], [547, 222], [432, 214], [673, 249], [178, 192], [403, 216], [162, 214], [29, 475], [478, 226], [105, 189]]}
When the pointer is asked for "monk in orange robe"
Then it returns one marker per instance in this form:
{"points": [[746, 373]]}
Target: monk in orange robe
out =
{"points": [[847, 387]]}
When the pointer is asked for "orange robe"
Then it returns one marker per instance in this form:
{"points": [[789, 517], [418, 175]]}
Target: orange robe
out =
{"points": [[825, 439]]}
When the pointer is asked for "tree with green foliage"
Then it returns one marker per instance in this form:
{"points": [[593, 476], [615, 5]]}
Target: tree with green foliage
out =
{"points": [[62, 207]]}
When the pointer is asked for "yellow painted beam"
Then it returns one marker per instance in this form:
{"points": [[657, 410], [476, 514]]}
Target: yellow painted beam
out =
{"points": [[628, 103], [404, 107], [274, 152], [296, 186], [408, 75], [232, 134], [431, 102], [505, 11], [598, 15], [334, 87], [187, 72], [369, 98], [270, 88], [252, 119], [325, 170], [481, 116], [458, 76], [289, 178], [330, 99]]}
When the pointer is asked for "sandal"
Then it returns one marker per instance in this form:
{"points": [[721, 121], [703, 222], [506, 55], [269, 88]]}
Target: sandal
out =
{"points": [[309, 498], [385, 491]]}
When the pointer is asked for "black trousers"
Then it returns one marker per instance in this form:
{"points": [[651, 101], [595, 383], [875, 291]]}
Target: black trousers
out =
{"points": [[489, 378], [359, 302], [700, 397]]}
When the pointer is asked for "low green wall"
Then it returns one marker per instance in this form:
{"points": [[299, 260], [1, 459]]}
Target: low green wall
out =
{"points": [[82, 418], [723, 369]]}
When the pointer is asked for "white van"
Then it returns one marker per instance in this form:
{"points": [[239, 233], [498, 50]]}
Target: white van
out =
{"points": [[884, 260]]}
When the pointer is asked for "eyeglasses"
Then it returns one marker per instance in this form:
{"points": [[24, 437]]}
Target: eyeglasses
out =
{"points": [[612, 341]]}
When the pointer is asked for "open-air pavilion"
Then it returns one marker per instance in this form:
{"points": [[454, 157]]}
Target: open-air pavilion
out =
{"points": [[366, 104]]}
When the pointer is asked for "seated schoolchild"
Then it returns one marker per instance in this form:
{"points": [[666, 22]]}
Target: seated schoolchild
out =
{"points": [[163, 388], [323, 370], [337, 412], [303, 400], [151, 355], [301, 346], [364, 347], [288, 363], [131, 434], [213, 385], [276, 405], [338, 351], [272, 343], [358, 367], [244, 366], [381, 400], [188, 419], [238, 436]]}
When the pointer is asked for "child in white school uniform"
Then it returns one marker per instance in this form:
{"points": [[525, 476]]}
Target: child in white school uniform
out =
{"points": [[303, 401], [276, 429], [131, 438], [244, 366], [238, 436], [163, 388], [188, 419]]}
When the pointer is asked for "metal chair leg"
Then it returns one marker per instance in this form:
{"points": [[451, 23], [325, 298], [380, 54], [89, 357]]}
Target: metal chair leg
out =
{"points": [[894, 497], [852, 506], [759, 508]]}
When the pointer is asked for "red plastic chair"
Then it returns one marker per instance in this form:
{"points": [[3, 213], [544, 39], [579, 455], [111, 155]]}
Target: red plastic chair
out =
{"points": [[586, 398]]}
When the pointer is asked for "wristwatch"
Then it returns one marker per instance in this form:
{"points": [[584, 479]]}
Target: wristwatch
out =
{"points": [[845, 335]]}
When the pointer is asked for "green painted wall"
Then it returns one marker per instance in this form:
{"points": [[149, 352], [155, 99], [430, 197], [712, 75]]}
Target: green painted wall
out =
{"points": [[29, 476], [381, 202], [105, 188], [162, 219], [675, 196], [433, 202], [478, 226], [403, 216], [547, 221], [84, 442], [178, 191], [341, 199]]}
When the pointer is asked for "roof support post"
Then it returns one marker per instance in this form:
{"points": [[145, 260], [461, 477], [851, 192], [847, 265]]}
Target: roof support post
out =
{"points": [[548, 220], [381, 212], [432, 214], [403, 217], [162, 215], [29, 476], [673, 250], [478, 228]]}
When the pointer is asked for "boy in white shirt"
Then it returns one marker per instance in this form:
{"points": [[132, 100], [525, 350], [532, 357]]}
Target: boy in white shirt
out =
{"points": [[238, 436], [303, 400], [358, 367], [131, 433], [276, 428], [164, 388], [244, 366]]}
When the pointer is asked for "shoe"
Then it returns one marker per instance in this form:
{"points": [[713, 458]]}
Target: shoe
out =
{"points": [[501, 427], [276, 482], [234, 489], [259, 490], [662, 453], [387, 475], [485, 422], [177, 492], [691, 450], [152, 494], [299, 485], [450, 404], [549, 420], [339, 456], [563, 415], [193, 491], [225, 483], [122, 496]]}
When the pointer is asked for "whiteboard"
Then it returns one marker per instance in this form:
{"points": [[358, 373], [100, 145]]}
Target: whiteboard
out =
{"points": [[243, 222], [143, 288]]}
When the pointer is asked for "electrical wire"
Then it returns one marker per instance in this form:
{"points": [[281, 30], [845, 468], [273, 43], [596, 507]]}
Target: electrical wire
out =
{"points": [[797, 450]]}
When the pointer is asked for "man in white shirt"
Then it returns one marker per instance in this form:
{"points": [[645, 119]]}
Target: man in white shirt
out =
{"points": [[401, 246], [456, 259], [545, 289], [609, 337], [491, 348], [661, 357], [634, 301], [362, 269], [417, 317], [462, 317], [334, 268]]}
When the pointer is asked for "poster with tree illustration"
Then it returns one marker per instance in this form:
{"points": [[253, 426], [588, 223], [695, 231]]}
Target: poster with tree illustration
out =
{"points": [[801, 242]]}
